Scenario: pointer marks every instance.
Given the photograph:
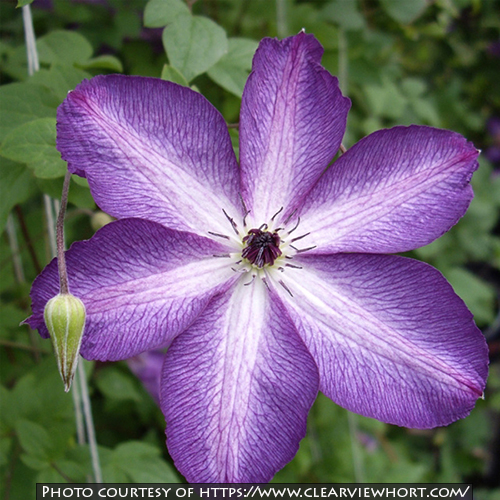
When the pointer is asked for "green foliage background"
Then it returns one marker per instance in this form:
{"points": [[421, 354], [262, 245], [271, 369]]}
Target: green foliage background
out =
{"points": [[430, 62]]}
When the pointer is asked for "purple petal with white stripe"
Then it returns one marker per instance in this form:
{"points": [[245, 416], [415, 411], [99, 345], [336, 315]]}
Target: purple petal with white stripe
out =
{"points": [[151, 149], [236, 390], [394, 191], [292, 120], [390, 337], [141, 285]]}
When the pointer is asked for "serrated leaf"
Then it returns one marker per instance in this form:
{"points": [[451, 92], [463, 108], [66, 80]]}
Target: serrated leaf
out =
{"points": [[232, 69], [23, 102], [404, 11], [34, 143], [111, 63], [159, 13], [16, 186], [60, 79], [63, 47], [194, 44]]}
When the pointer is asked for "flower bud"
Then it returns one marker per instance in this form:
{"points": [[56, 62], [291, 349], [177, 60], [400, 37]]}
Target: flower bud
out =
{"points": [[100, 219], [64, 317]]}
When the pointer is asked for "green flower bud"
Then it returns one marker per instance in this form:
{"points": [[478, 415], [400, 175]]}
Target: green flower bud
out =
{"points": [[100, 219], [65, 319]]}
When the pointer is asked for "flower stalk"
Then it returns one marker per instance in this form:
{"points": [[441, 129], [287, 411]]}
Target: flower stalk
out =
{"points": [[80, 397]]}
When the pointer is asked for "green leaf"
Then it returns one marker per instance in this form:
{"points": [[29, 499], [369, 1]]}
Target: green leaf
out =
{"points": [[60, 79], [23, 102], [16, 186], [5, 446], [194, 44], [117, 385], [231, 71], [34, 143], [386, 100], [108, 62], [404, 11], [34, 439], [159, 13], [63, 47], [173, 75], [79, 193], [142, 462], [476, 293], [345, 13], [22, 3]]}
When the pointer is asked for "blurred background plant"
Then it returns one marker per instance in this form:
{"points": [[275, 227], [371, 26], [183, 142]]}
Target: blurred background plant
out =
{"points": [[432, 62]]}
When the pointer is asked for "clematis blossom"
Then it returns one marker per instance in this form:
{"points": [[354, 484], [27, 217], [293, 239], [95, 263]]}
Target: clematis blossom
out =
{"points": [[273, 278]]}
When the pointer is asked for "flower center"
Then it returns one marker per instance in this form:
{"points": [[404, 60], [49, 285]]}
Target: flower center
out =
{"points": [[262, 247]]}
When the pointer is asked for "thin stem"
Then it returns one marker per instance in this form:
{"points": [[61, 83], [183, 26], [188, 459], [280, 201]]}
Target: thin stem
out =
{"points": [[61, 261], [357, 457], [281, 25], [14, 247], [49, 217], [343, 62], [87, 411], [58, 249], [29, 35], [80, 428], [27, 239], [18, 345]]}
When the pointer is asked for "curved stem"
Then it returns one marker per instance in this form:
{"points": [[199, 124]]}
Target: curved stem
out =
{"points": [[61, 261]]}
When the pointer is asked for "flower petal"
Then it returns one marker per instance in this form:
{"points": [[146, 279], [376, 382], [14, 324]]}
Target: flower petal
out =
{"points": [[151, 149], [393, 191], [391, 339], [141, 284], [293, 118], [236, 390]]}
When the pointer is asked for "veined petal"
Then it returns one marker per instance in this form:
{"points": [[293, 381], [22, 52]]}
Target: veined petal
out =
{"points": [[384, 346], [141, 284], [293, 118], [393, 191], [236, 390], [151, 149]]}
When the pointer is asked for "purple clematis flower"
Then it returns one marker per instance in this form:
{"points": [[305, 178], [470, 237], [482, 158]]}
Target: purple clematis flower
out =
{"points": [[268, 278]]}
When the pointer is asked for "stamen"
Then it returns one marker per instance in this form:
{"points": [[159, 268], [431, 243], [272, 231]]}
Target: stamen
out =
{"points": [[251, 281], [285, 287], [219, 235], [244, 270], [264, 280], [296, 226], [245, 210], [290, 217], [293, 266], [264, 226], [300, 237], [302, 250], [233, 224], [272, 218]]}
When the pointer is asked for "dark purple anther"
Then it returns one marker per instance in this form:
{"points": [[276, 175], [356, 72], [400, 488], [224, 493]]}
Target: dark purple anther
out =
{"points": [[262, 247]]}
